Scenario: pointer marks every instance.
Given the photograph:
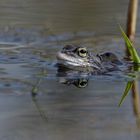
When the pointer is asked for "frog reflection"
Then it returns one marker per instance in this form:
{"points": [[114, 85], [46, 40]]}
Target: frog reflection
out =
{"points": [[79, 82]]}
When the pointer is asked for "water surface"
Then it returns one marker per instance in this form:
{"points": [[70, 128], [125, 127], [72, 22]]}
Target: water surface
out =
{"points": [[31, 32]]}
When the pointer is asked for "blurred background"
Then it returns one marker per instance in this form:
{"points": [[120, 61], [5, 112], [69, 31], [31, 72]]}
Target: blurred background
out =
{"points": [[65, 17], [31, 33]]}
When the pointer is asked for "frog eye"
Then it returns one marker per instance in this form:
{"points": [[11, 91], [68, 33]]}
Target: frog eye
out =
{"points": [[82, 52], [108, 54]]}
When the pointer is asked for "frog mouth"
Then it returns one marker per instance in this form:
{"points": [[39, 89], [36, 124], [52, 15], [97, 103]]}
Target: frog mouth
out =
{"points": [[70, 60]]}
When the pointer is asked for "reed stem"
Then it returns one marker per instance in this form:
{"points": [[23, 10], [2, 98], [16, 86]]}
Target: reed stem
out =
{"points": [[130, 30]]}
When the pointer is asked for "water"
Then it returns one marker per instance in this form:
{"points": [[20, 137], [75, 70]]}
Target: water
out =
{"points": [[31, 32]]}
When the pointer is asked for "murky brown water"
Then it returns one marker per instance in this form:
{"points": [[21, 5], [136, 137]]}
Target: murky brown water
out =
{"points": [[31, 32]]}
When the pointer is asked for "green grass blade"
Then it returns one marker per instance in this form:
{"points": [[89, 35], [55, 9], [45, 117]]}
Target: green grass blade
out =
{"points": [[126, 91], [131, 49]]}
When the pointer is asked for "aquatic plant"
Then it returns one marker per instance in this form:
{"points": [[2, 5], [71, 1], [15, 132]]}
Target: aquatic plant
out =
{"points": [[126, 91], [133, 53], [134, 57]]}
